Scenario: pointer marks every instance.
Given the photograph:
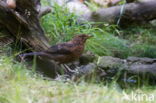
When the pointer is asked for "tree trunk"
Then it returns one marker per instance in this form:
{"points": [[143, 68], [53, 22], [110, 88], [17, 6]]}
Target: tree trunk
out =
{"points": [[23, 23]]}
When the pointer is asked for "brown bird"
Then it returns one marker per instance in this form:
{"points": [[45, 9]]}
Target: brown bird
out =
{"points": [[64, 52]]}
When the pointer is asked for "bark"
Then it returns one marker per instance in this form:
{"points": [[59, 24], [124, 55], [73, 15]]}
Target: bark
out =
{"points": [[133, 13], [23, 23], [128, 70], [134, 65]]}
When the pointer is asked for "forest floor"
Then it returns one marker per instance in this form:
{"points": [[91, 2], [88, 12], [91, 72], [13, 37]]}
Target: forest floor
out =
{"points": [[18, 84]]}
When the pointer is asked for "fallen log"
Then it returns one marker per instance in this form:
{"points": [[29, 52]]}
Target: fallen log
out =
{"points": [[23, 23], [134, 65], [124, 70], [130, 13]]}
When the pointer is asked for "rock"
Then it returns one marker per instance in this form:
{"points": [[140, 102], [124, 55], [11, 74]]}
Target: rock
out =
{"points": [[87, 69], [109, 62], [134, 65], [144, 65], [124, 70], [140, 60], [153, 22], [77, 7], [143, 68], [87, 58], [83, 71], [74, 6]]}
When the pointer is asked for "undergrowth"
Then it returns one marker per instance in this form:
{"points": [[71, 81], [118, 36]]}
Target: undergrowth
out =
{"points": [[21, 85], [61, 26]]}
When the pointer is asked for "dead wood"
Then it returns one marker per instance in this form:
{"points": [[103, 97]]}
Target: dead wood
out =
{"points": [[130, 13], [23, 23]]}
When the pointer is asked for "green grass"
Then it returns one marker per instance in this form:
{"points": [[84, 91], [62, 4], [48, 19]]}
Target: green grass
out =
{"points": [[20, 85], [61, 26]]}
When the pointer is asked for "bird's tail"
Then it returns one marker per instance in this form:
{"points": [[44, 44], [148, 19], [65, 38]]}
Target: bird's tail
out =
{"points": [[32, 54]]}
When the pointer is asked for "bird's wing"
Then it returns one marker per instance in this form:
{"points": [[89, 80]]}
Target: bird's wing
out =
{"points": [[64, 48]]}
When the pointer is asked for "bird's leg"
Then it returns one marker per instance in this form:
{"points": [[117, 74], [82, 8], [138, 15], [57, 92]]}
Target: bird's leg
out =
{"points": [[22, 58], [64, 71], [68, 69]]}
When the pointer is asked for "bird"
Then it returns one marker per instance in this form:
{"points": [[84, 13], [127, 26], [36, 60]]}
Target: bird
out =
{"points": [[11, 4], [64, 52]]}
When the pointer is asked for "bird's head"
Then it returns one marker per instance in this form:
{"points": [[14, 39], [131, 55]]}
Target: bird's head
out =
{"points": [[81, 38]]}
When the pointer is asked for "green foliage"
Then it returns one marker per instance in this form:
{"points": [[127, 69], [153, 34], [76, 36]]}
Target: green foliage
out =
{"points": [[20, 85], [61, 26], [142, 41]]}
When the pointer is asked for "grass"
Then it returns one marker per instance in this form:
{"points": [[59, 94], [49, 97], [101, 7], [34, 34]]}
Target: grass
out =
{"points": [[19, 84], [61, 26]]}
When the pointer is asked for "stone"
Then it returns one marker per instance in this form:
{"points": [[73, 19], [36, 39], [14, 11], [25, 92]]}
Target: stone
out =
{"points": [[84, 71], [87, 69], [143, 68], [109, 62], [87, 58], [140, 60]]}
